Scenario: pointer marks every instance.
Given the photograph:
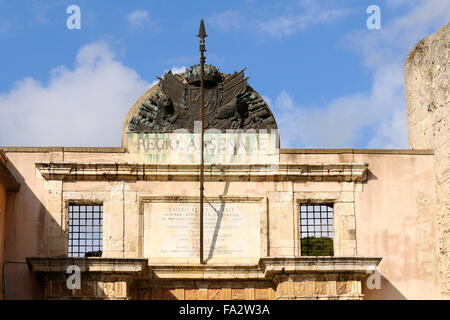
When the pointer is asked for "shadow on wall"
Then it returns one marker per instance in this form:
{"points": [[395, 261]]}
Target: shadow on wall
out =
{"points": [[218, 221], [370, 176], [27, 225], [387, 291]]}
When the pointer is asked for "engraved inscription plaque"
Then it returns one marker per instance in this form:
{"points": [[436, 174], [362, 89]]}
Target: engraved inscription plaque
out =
{"points": [[231, 230]]}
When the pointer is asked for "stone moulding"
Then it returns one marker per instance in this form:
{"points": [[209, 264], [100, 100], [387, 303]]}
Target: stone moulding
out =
{"points": [[69, 171], [267, 268], [102, 265], [280, 277], [355, 265]]}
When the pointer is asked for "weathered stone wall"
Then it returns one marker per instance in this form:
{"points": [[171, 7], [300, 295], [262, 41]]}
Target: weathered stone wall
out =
{"points": [[427, 98], [272, 278], [210, 290], [399, 183]]}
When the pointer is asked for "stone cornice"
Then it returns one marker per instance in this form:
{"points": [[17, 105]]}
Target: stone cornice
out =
{"points": [[94, 264], [359, 151], [70, 171], [117, 150], [362, 265], [268, 268], [223, 272], [120, 150]]}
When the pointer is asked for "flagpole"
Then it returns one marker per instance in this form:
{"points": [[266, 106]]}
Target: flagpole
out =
{"points": [[202, 35]]}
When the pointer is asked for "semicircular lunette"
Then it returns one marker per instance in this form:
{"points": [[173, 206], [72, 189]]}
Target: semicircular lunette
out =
{"points": [[230, 103]]}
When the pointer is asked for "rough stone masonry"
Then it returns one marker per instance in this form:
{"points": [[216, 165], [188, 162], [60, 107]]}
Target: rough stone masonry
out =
{"points": [[427, 99]]}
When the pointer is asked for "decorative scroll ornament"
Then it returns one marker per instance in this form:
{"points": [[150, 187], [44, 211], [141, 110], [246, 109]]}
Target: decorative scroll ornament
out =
{"points": [[230, 103]]}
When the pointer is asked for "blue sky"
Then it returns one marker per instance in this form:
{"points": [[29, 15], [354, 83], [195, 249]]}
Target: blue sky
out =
{"points": [[330, 81]]}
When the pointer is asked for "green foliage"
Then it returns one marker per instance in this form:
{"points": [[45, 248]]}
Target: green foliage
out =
{"points": [[317, 246]]}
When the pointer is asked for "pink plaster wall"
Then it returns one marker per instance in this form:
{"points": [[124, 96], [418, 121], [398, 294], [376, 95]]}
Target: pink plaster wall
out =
{"points": [[395, 217], [2, 234], [396, 220]]}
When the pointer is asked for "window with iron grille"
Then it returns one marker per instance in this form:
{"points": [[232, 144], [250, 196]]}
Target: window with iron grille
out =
{"points": [[316, 229], [85, 230]]}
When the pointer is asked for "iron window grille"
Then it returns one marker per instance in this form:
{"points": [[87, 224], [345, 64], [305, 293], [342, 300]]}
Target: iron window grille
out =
{"points": [[85, 230], [316, 229]]}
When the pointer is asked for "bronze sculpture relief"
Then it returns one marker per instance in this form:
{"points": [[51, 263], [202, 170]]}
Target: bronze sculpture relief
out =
{"points": [[230, 103]]}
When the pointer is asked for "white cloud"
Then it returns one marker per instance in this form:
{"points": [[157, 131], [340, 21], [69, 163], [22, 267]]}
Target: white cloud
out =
{"points": [[41, 10], [399, 35], [176, 70], [299, 16], [226, 21], [341, 122], [139, 18], [312, 14], [398, 3], [83, 106], [392, 133]]}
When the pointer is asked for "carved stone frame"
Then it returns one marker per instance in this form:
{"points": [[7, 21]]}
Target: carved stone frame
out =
{"points": [[79, 198], [344, 228], [264, 241]]}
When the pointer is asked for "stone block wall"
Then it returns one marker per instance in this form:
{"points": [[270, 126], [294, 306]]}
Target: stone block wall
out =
{"points": [[205, 290], [427, 98]]}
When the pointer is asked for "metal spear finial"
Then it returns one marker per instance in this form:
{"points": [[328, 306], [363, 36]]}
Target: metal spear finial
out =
{"points": [[201, 31], [202, 35]]}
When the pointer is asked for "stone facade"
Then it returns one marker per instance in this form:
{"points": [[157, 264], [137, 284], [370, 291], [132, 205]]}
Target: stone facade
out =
{"points": [[383, 202], [390, 219], [8, 185], [271, 278], [427, 97], [137, 192]]}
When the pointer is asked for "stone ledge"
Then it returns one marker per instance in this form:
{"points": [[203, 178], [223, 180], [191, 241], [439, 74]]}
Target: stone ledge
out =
{"points": [[101, 265], [267, 268], [282, 151], [205, 272], [66, 149], [359, 151], [355, 265], [70, 171]]}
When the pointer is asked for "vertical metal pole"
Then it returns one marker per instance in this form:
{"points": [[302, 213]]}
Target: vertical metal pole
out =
{"points": [[202, 163], [202, 34]]}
